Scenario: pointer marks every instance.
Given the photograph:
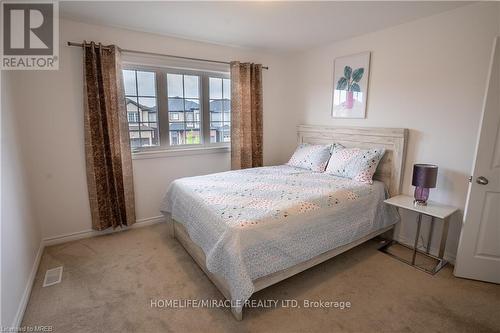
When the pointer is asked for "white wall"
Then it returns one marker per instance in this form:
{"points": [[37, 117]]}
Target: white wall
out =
{"points": [[20, 232], [428, 76], [49, 104]]}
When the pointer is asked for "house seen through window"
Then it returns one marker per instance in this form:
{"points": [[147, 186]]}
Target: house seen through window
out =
{"points": [[173, 108], [220, 109], [141, 103], [184, 109]]}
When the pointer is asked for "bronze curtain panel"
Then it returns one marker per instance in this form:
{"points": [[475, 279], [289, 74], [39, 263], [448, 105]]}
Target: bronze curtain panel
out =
{"points": [[107, 146], [246, 115]]}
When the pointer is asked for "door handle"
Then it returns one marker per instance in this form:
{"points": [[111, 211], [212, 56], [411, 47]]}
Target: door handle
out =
{"points": [[482, 180]]}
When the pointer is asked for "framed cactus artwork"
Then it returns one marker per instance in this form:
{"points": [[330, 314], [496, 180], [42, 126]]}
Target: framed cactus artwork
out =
{"points": [[350, 85]]}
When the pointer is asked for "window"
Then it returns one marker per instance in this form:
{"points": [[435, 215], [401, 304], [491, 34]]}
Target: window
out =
{"points": [[141, 102], [220, 109], [184, 99], [133, 117], [170, 107]]}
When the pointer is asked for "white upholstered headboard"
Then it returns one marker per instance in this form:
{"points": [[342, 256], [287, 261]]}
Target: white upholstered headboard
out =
{"points": [[390, 168]]}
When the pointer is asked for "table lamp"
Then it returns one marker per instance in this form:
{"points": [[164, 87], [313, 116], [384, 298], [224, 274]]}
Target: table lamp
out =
{"points": [[424, 178]]}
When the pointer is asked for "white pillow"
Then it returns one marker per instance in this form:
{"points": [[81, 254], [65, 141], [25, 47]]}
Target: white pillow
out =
{"points": [[355, 163], [312, 157]]}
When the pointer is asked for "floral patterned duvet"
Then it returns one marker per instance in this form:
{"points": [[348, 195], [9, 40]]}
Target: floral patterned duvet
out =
{"points": [[254, 222]]}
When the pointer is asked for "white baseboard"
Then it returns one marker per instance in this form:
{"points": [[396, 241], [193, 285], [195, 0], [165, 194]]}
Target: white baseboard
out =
{"points": [[91, 233], [27, 291], [448, 256]]}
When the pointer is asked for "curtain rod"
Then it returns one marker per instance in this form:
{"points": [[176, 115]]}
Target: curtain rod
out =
{"points": [[157, 54]]}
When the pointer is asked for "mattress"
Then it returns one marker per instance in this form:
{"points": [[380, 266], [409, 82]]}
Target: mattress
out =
{"points": [[254, 222]]}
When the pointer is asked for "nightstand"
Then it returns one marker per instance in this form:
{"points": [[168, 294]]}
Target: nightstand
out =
{"points": [[434, 210]]}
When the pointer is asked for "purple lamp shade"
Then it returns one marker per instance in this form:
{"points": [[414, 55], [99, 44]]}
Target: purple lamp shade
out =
{"points": [[424, 178]]}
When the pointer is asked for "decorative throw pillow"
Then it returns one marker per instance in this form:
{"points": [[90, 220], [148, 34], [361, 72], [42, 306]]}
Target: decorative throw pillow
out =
{"points": [[355, 163], [312, 157]]}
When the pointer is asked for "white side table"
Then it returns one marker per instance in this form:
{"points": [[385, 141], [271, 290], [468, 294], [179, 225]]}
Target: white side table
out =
{"points": [[434, 210]]}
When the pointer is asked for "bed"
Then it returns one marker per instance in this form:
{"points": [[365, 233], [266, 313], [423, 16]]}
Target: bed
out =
{"points": [[249, 229]]}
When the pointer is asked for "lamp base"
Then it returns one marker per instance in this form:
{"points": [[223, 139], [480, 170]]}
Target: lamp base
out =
{"points": [[421, 195]]}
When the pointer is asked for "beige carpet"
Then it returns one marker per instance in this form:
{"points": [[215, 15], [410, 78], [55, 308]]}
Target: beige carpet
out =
{"points": [[109, 281]]}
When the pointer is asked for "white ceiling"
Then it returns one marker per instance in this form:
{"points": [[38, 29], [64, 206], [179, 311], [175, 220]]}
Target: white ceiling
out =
{"points": [[274, 26]]}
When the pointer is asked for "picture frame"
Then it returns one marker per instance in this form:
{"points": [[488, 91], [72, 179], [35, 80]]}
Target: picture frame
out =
{"points": [[350, 85]]}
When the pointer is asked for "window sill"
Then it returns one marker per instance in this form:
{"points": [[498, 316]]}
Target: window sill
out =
{"points": [[141, 155]]}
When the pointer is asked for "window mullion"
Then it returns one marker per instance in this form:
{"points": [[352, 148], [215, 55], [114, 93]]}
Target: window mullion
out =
{"points": [[163, 119], [205, 116], [184, 110]]}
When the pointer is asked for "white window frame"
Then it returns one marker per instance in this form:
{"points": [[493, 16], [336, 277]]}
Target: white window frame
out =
{"points": [[164, 148]]}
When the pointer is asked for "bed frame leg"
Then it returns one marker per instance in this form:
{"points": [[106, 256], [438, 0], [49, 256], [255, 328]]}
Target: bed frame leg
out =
{"points": [[388, 235], [170, 224], [237, 315]]}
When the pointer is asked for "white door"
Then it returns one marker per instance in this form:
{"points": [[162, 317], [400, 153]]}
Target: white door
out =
{"points": [[479, 248]]}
